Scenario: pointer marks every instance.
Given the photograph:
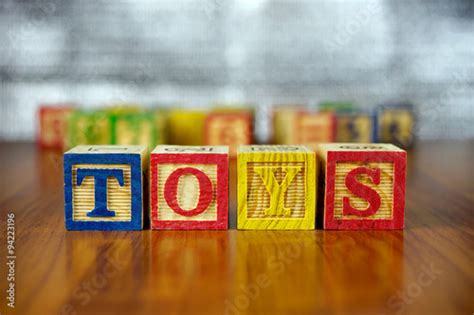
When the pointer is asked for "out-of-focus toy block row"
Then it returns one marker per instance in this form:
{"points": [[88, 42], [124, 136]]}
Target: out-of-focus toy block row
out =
{"points": [[66, 126], [344, 122], [62, 127]]}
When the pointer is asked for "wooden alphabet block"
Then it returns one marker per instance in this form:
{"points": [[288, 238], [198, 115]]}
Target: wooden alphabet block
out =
{"points": [[364, 186], [53, 126], [90, 128], [276, 187], [315, 127], [186, 127], [103, 187], [139, 128], [229, 128], [396, 124], [189, 187], [356, 127], [303, 127]]}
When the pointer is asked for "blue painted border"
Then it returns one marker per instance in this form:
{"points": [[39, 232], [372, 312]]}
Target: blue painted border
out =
{"points": [[375, 127], [134, 160]]}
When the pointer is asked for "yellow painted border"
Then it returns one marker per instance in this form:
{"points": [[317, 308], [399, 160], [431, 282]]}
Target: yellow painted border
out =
{"points": [[306, 223]]}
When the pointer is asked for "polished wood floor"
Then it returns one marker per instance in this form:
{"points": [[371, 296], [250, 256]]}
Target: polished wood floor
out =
{"points": [[426, 269]]}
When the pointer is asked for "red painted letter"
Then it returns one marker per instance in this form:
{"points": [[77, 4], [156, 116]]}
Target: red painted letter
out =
{"points": [[363, 191], [205, 191]]}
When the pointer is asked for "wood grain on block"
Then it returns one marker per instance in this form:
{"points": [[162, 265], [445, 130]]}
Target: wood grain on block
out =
{"points": [[189, 187], [276, 187], [103, 187], [364, 185], [229, 128], [119, 198], [53, 126]]}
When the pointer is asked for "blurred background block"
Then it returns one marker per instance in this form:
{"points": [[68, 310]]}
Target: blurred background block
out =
{"points": [[264, 52]]}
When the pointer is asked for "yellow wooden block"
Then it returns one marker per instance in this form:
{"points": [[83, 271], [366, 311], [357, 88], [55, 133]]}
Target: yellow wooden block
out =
{"points": [[283, 123], [397, 126], [276, 187], [186, 127], [355, 127]]}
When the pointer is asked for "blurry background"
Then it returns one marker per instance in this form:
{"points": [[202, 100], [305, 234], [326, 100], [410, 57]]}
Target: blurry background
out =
{"points": [[193, 53]]}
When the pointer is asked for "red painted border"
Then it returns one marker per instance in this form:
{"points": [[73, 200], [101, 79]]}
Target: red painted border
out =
{"points": [[228, 116], [222, 191], [399, 160], [44, 109]]}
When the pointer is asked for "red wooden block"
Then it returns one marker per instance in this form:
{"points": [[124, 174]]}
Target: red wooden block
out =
{"points": [[228, 128], [53, 126], [364, 186], [189, 187]]}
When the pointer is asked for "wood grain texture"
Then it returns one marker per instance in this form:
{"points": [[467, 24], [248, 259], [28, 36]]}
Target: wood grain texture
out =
{"points": [[276, 187], [425, 269], [364, 185], [121, 196], [189, 187]]}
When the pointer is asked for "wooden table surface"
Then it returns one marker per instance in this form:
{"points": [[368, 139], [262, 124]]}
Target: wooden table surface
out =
{"points": [[426, 269]]}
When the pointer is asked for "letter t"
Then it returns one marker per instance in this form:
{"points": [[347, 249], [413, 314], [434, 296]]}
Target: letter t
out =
{"points": [[100, 183]]}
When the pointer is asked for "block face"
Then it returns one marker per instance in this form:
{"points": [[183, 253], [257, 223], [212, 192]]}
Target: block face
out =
{"points": [[313, 128], [355, 127], [188, 192], [103, 188], [384, 188], [396, 124], [259, 199], [232, 129], [118, 196], [144, 128], [276, 187], [90, 128], [365, 186], [186, 127], [53, 126], [189, 187]]}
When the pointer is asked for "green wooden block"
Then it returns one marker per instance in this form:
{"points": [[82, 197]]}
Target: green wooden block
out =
{"points": [[139, 128], [90, 127]]}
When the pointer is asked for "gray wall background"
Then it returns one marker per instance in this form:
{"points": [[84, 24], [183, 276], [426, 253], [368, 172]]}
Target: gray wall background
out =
{"points": [[193, 53]]}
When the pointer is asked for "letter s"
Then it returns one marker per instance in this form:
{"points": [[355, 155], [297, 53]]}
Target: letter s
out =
{"points": [[362, 191]]}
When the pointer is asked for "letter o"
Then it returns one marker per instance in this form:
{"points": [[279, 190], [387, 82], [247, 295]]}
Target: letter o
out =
{"points": [[171, 191]]}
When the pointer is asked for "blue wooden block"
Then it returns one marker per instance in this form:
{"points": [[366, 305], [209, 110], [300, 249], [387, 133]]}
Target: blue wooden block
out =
{"points": [[103, 187]]}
